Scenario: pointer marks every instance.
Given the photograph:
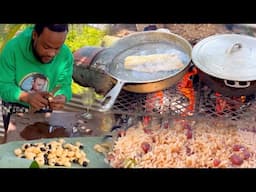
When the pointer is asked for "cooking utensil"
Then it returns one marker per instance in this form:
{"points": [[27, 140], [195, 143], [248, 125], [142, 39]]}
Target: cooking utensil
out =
{"points": [[227, 63], [55, 89], [143, 43]]}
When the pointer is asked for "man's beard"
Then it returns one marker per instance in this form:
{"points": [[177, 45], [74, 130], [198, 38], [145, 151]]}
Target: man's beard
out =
{"points": [[36, 54]]}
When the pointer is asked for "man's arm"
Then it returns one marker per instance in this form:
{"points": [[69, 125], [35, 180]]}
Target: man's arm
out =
{"points": [[65, 79], [9, 91]]}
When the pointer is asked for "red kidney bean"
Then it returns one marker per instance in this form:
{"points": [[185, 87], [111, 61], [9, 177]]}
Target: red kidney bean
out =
{"points": [[166, 124], [237, 147], [246, 154], [146, 120], [145, 146], [216, 162], [236, 159], [147, 131], [187, 126], [188, 151], [189, 134]]}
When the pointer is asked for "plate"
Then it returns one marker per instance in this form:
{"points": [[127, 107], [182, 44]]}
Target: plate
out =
{"points": [[9, 160]]}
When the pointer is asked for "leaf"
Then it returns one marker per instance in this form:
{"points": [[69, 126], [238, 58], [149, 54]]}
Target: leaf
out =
{"points": [[34, 164]]}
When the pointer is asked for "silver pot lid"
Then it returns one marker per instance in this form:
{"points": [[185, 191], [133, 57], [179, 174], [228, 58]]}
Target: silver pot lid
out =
{"points": [[227, 56]]}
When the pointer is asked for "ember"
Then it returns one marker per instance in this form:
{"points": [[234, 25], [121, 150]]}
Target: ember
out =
{"points": [[215, 104], [223, 104]]}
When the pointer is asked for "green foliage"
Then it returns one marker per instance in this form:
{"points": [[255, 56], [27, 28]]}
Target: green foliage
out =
{"points": [[80, 35], [83, 35], [7, 32]]}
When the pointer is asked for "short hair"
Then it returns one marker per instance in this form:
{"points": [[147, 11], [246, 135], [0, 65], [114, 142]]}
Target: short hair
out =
{"points": [[53, 27]]}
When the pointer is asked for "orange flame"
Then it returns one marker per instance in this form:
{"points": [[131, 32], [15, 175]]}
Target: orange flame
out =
{"points": [[187, 89], [221, 103]]}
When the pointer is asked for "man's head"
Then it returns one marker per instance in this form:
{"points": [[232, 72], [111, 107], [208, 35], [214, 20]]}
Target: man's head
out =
{"points": [[38, 83], [47, 40]]}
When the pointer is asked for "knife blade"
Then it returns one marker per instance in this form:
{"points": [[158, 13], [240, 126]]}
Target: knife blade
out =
{"points": [[55, 89]]}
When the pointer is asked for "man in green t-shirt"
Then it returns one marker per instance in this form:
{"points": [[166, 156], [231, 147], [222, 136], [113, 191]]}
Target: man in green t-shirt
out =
{"points": [[38, 51]]}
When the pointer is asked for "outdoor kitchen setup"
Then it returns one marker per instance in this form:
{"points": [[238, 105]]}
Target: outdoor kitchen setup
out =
{"points": [[217, 79], [167, 102], [215, 93]]}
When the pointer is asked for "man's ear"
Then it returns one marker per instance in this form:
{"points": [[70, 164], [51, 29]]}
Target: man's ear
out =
{"points": [[34, 35]]}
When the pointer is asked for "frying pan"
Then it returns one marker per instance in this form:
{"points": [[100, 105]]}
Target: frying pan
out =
{"points": [[143, 43]]}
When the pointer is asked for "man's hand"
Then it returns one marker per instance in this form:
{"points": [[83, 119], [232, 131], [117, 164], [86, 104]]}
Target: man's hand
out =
{"points": [[36, 100], [57, 102]]}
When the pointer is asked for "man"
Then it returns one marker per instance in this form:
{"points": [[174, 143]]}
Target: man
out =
{"points": [[38, 50]]}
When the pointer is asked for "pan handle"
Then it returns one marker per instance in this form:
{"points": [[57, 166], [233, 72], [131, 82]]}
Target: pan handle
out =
{"points": [[237, 84], [110, 97]]}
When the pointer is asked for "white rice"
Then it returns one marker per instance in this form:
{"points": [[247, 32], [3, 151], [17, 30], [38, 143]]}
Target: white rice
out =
{"points": [[170, 148]]}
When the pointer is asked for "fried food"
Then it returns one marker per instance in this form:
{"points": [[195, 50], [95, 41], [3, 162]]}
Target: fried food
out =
{"points": [[153, 63]]}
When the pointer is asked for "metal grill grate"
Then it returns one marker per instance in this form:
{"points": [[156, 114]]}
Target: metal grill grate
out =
{"points": [[151, 104], [222, 107], [207, 104]]}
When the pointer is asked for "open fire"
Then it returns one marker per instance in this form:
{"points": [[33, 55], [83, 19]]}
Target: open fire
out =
{"points": [[214, 104], [189, 98]]}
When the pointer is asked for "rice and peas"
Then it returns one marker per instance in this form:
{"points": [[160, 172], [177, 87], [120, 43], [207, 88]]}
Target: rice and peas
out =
{"points": [[203, 145]]}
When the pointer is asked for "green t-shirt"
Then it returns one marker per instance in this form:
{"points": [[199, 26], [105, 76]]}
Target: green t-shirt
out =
{"points": [[19, 66]]}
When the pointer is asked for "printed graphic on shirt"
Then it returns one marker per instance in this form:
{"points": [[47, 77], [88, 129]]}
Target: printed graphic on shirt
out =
{"points": [[35, 82]]}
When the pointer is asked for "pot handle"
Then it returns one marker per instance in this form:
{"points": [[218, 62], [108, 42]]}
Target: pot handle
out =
{"points": [[235, 47], [109, 100], [236, 84]]}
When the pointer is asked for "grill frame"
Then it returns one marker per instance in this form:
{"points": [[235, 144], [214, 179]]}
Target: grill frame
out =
{"points": [[133, 104]]}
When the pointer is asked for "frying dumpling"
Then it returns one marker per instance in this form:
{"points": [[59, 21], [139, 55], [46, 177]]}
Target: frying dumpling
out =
{"points": [[153, 63]]}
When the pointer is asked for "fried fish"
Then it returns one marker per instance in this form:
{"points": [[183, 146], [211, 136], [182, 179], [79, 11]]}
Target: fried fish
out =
{"points": [[153, 63]]}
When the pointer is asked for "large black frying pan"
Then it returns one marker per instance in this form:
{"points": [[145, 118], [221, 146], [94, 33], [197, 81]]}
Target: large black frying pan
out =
{"points": [[143, 43]]}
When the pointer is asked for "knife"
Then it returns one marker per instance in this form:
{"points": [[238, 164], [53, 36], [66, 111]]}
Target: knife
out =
{"points": [[55, 89]]}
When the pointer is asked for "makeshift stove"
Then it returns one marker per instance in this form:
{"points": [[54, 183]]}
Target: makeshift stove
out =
{"points": [[188, 99]]}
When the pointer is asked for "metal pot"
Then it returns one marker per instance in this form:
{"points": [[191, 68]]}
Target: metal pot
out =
{"points": [[85, 55], [143, 43], [227, 64], [89, 75]]}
